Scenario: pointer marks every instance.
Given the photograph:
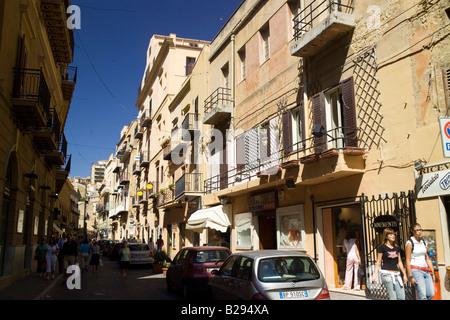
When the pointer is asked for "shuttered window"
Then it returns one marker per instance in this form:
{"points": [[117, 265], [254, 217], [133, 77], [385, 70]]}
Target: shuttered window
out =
{"points": [[286, 118], [349, 113], [318, 105], [446, 80]]}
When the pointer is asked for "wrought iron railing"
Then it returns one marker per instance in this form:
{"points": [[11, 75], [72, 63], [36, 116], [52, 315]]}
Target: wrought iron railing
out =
{"points": [[189, 182], [31, 85], [314, 12], [218, 97]]}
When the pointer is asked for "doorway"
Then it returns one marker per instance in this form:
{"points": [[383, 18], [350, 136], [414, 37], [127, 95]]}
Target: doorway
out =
{"points": [[337, 222], [267, 230]]}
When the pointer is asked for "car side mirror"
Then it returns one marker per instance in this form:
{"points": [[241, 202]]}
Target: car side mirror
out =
{"points": [[215, 272]]}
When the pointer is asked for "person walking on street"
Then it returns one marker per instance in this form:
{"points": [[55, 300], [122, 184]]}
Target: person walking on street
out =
{"points": [[391, 264], [50, 257], [85, 250], [60, 245], [159, 244], [70, 251], [39, 255], [353, 261], [151, 245], [125, 258], [419, 265], [95, 258]]}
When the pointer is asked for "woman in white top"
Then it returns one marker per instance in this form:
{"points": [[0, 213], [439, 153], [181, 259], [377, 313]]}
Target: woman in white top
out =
{"points": [[353, 261], [419, 265], [50, 257]]}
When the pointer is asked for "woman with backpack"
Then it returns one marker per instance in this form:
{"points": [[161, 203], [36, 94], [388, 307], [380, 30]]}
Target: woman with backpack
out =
{"points": [[419, 265]]}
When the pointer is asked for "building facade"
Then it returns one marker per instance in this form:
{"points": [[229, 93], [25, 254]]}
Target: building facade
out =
{"points": [[36, 86]]}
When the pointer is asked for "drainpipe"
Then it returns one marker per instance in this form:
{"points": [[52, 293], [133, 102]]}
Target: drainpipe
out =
{"points": [[233, 95]]}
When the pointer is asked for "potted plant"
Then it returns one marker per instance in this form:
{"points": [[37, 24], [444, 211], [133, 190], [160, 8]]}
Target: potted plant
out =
{"points": [[165, 143], [165, 267], [162, 191], [172, 186], [159, 258]]}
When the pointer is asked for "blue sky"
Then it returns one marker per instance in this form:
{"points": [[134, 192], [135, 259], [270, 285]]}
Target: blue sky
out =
{"points": [[110, 53]]}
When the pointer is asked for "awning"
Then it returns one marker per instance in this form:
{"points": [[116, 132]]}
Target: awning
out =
{"points": [[57, 228], [214, 218]]}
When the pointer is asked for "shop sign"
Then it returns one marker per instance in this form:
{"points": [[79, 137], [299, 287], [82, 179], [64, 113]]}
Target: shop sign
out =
{"points": [[433, 180], [261, 202], [382, 222]]}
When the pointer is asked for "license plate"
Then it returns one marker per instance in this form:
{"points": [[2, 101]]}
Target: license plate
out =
{"points": [[294, 294]]}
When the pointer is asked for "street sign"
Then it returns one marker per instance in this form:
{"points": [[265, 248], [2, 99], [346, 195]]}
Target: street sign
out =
{"points": [[444, 123]]}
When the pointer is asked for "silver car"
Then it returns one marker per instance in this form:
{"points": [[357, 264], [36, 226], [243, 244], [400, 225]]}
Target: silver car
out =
{"points": [[140, 254], [268, 275]]}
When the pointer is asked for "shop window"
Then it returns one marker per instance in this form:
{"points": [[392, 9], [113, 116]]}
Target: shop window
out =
{"points": [[244, 228], [291, 227]]}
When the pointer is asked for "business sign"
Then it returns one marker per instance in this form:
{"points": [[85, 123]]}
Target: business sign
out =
{"points": [[433, 180], [444, 123], [382, 222]]}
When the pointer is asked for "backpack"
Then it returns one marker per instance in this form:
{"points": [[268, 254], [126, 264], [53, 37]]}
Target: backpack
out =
{"points": [[412, 244]]}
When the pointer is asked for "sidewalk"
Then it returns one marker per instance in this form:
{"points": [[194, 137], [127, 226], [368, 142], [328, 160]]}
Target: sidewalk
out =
{"points": [[31, 287]]}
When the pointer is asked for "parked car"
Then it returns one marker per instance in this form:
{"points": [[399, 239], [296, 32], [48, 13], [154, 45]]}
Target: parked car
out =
{"points": [[107, 248], [191, 268], [115, 252], [268, 275], [140, 254]]}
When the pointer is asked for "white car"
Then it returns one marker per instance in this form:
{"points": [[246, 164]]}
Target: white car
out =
{"points": [[268, 275], [140, 254]]}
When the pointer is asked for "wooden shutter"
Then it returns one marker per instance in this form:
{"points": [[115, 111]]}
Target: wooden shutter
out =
{"points": [[287, 131], [301, 125], [240, 152], [349, 113], [446, 80], [318, 106]]}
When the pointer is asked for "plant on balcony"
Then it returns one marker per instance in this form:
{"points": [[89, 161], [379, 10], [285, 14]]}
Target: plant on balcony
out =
{"points": [[154, 195], [162, 191], [165, 143], [172, 186]]}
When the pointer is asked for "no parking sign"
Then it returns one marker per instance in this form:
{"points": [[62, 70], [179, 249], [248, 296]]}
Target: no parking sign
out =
{"points": [[445, 136]]}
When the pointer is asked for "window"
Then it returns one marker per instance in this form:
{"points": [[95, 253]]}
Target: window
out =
{"points": [[298, 127], [289, 268], [225, 76], [227, 266], [244, 270], [290, 227], [190, 62], [241, 54], [265, 45], [243, 227]]}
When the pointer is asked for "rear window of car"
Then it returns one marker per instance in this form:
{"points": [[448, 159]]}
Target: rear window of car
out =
{"points": [[282, 269], [211, 256], [139, 247]]}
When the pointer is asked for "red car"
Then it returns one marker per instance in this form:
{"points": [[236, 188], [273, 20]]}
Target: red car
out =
{"points": [[191, 268]]}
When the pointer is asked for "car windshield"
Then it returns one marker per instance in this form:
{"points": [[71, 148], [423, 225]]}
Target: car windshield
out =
{"points": [[211, 256], [139, 247], [282, 269]]}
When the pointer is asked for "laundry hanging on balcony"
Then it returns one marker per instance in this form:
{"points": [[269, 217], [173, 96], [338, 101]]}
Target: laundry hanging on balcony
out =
{"points": [[214, 218]]}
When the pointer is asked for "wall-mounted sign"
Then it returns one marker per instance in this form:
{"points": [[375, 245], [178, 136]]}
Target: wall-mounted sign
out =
{"points": [[444, 123], [382, 222], [261, 202], [433, 180]]}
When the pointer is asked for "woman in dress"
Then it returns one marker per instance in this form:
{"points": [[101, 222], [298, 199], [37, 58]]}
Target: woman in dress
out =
{"points": [[50, 258], [125, 259], [95, 258], [39, 255]]}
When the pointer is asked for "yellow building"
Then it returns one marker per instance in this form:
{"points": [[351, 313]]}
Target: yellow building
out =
{"points": [[330, 107], [36, 87]]}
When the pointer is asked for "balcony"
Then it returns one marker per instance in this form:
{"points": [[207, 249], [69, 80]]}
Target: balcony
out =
{"points": [[218, 107], [47, 137], [190, 124], [165, 198], [68, 81], [144, 159], [31, 98], [320, 24], [124, 153], [143, 199], [146, 119], [61, 175], [189, 186], [136, 168], [54, 16], [124, 178], [138, 132]]}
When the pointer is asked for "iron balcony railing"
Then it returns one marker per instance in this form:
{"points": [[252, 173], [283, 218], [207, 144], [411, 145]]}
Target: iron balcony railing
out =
{"points": [[69, 74], [31, 85], [315, 12], [311, 149], [221, 96], [189, 182], [54, 125]]}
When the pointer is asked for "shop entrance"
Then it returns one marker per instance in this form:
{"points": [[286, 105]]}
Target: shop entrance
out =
{"points": [[338, 222], [267, 230]]}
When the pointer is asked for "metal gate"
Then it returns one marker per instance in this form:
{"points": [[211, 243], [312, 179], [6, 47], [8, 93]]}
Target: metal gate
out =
{"points": [[402, 208]]}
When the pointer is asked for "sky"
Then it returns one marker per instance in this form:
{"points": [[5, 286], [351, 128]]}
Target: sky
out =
{"points": [[110, 54]]}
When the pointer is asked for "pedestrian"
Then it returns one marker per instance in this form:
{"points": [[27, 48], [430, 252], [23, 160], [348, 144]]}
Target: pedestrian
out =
{"points": [[125, 258], [159, 244], [39, 255], [70, 251], [418, 264], [151, 245], [60, 245], [85, 250], [95, 258], [51, 257], [353, 261], [390, 261]]}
